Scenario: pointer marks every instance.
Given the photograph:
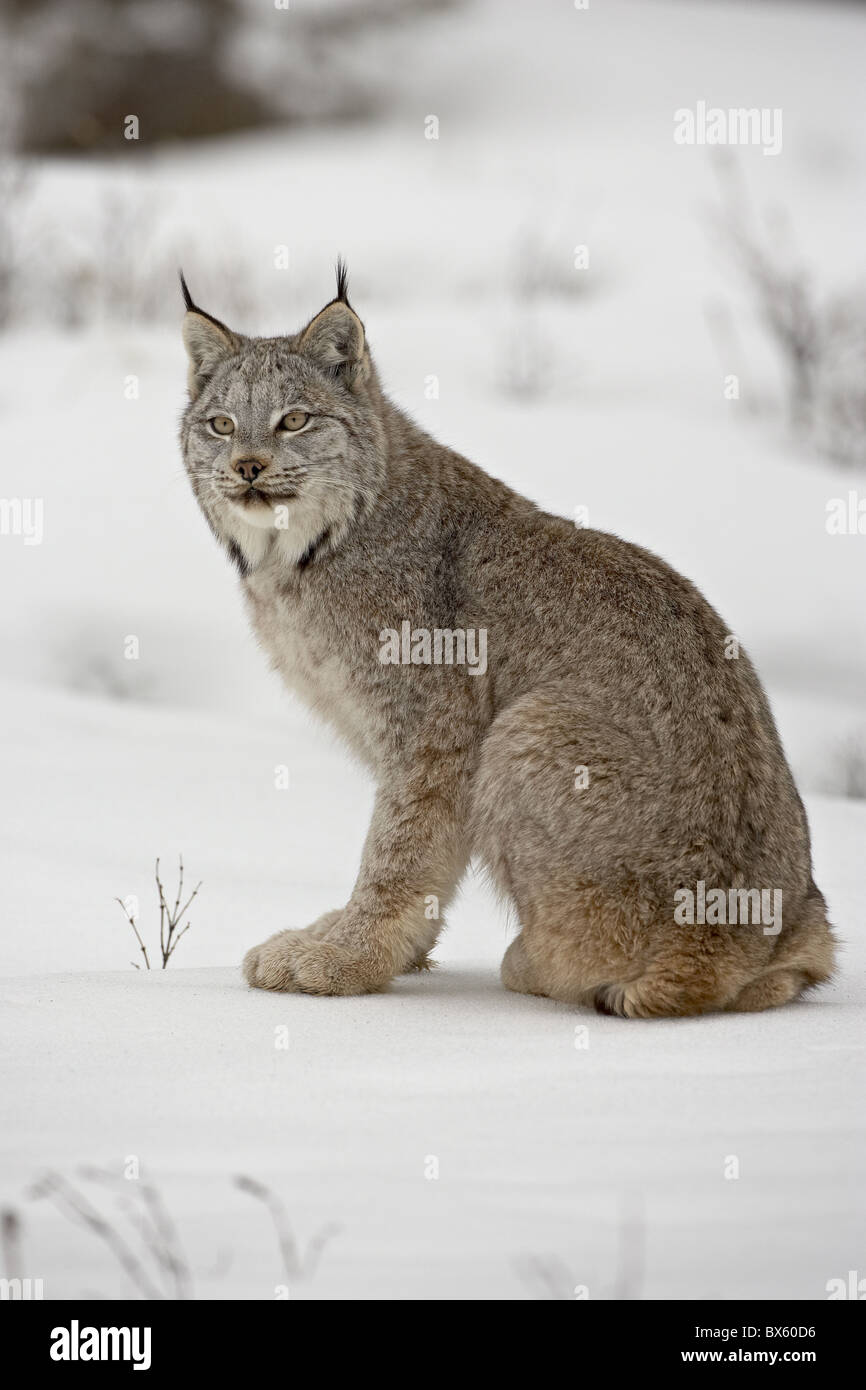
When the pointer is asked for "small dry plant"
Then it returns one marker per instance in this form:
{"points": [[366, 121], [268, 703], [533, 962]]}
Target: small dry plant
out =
{"points": [[298, 1265], [171, 919]]}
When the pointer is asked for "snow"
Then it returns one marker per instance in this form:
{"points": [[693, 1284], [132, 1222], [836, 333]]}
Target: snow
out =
{"points": [[566, 1158], [604, 1162]]}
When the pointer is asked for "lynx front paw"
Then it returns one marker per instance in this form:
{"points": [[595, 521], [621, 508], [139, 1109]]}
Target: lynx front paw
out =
{"points": [[295, 961]]}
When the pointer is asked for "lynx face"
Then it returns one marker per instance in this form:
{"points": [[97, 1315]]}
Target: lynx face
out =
{"points": [[282, 440]]}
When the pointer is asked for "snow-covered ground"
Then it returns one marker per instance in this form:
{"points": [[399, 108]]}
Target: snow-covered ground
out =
{"points": [[571, 1150]]}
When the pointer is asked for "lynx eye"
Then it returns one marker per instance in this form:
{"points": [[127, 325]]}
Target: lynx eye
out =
{"points": [[294, 421], [222, 424]]}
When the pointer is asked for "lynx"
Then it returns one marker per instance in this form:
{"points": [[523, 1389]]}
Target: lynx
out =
{"points": [[610, 756]]}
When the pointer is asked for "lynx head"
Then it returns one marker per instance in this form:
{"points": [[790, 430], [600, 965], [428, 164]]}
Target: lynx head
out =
{"points": [[282, 437]]}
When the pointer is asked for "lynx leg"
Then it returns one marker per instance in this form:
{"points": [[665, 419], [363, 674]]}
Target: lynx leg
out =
{"points": [[769, 991], [804, 959], [546, 842], [321, 928], [595, 931], [415, 850], [324, 925], [516, 972]]}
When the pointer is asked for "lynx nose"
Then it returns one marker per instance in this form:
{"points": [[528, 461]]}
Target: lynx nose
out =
{"points": [[249, 469]]}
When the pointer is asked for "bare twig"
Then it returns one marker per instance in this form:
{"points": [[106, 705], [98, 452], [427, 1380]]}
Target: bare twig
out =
{"points": [[172, 1256], [170, 918], [10, 1237], [131, 920], [151, 1220], [631, 1248], [171, 924], [142, 1236], [295, 1265], [819, 337], [548, 1275], [76, 1206]]}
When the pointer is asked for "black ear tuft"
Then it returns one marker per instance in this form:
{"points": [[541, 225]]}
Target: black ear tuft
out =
{"points": [[187, 297], [342, 281], [193, 308]]}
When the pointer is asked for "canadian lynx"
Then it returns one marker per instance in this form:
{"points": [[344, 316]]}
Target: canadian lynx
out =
{"points": [[556, 702]]}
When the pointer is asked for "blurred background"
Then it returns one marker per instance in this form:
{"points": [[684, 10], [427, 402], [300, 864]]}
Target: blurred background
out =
{"points": [[662, 340]]}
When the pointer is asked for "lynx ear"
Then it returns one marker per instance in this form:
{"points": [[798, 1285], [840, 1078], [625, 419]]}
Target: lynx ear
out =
{"points": [[207, 342], [335, 338]]}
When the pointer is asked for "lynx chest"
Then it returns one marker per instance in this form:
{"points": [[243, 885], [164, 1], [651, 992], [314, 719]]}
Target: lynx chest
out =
{"points": [[313, 662]]}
